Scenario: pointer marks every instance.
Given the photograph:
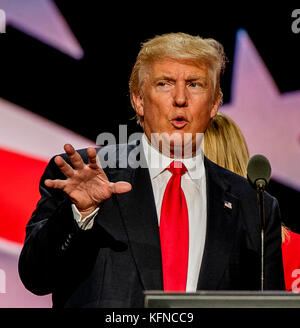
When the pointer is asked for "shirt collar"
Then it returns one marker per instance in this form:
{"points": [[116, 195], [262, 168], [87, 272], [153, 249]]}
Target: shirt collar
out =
{"points": [[157, 162]]}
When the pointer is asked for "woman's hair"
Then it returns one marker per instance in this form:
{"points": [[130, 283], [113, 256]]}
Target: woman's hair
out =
{"points": [[181, 46], [225, 144]]}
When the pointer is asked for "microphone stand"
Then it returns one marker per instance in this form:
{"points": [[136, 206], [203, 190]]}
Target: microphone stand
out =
{"points": [[260, 188]]}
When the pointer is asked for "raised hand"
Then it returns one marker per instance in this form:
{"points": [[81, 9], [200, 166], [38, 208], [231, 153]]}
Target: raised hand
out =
{"points": [[87, 185]]}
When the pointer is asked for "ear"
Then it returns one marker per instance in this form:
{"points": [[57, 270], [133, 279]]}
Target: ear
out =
{"points": [[138, 103], [215, 108]]}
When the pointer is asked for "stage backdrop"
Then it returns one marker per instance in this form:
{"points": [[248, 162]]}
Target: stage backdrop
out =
{"points": [[64, 71]]}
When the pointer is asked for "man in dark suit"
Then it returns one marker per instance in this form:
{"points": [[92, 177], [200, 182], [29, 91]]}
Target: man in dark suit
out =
{"points": [[99, 236]]}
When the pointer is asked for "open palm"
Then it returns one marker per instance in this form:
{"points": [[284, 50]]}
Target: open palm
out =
{"points": [[87, 184]]}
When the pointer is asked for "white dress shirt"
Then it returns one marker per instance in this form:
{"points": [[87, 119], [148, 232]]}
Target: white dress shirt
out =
{"points": [[193, 184]]}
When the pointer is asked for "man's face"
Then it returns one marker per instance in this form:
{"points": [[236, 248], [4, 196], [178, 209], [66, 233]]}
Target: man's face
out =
{"points": [[175, 98]]}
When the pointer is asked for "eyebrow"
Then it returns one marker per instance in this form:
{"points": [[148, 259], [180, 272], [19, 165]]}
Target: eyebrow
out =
{"points": [[196, 78], [164, 77], [188, 79]]}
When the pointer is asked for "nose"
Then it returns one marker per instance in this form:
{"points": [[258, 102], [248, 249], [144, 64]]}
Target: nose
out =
{"points": [[180, 95]]}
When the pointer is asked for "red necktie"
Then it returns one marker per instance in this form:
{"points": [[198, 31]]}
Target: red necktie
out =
{"points": [[174, 232]]}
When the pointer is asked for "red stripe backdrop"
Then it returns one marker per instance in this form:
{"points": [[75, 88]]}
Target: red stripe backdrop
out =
{"points": [[19, 192]]}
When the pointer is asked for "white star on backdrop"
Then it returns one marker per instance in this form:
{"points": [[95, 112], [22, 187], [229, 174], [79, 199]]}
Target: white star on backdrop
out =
{"points": [[41, 19], [268, 119]]}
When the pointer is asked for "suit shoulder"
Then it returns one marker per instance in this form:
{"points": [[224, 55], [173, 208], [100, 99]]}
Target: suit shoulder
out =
{"points": [[225, 174], [237, 184], [113, 151]]}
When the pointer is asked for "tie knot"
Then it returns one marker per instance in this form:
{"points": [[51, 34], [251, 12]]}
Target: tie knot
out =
{"points": [[177, 167]]}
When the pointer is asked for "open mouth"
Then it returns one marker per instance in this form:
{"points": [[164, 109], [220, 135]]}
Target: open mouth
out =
{"points": [[179, 122]]}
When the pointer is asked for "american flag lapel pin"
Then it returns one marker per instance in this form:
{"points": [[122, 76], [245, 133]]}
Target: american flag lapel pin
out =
{"points": [[228, 204]]}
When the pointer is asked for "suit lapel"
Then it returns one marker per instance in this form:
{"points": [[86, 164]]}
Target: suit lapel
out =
{"points": [[140, 218], [138, 211], [222, 209]]}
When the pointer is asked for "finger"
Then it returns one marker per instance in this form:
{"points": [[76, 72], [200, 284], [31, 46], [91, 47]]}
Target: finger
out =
{"points": [[92, 158], [74, 157], [56, 184], [120, 187], [94, 162], [64, 167]]}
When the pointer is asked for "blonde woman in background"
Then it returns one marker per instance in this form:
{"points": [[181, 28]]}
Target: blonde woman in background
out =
{"points": [[225, 145]]}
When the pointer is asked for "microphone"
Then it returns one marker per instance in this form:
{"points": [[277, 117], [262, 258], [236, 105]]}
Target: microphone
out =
{"points": [[258, 174]]}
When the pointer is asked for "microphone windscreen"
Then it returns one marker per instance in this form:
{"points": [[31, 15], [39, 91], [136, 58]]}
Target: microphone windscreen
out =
{"points": [[258, 168]]}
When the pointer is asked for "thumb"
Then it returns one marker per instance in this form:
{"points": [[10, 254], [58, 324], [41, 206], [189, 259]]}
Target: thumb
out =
{"points": [[120, 187]]}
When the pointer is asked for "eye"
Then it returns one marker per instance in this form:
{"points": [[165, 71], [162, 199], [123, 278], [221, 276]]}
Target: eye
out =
{"points": [[164, 85], [194, 84]]}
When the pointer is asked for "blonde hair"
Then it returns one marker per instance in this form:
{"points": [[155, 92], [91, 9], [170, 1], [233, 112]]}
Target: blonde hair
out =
{"points": [[285, 233], [225, 144], [179, 46]]}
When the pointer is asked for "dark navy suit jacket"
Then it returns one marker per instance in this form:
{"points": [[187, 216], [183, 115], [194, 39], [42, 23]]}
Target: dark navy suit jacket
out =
{"points": [[120, 257]]}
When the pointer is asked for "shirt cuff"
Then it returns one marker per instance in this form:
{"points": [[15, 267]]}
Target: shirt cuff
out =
{"points": [[87, 222]]}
